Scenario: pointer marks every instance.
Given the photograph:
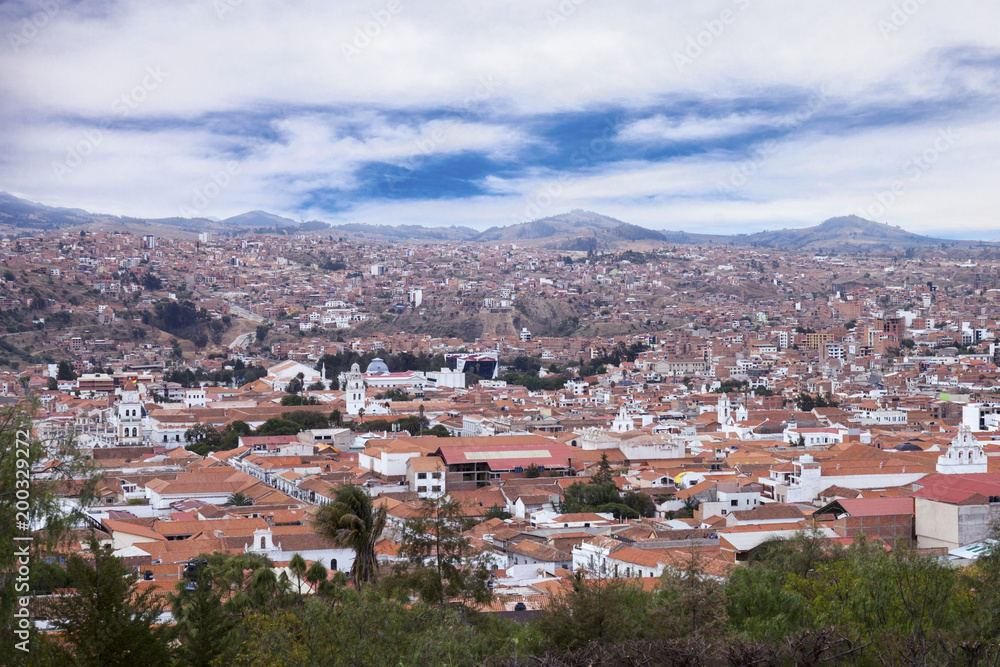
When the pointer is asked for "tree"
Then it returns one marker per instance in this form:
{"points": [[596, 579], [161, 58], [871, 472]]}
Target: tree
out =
{"points": [[497, 512], [532, 472], [204, 438], [51, 384], [580, 497], [603, 473], [307, 419], [692, 602], [65, 372], [294, 399], [28, 503], [640, 502], [239, 499], [108, 621], [316, 575], [601, 610], [151, 282], [352, 521], [444, 561], [205, 628], [438, 431], [298, 567], [278, 426]]}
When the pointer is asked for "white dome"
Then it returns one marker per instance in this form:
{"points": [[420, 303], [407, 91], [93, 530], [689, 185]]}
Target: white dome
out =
{"points": [[377, 366]]}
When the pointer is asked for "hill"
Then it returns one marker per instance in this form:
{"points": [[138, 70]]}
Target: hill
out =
{"points": [[576, 230], [847, 233], [258, 219]]}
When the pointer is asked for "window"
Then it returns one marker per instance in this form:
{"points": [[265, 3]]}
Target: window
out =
{"points": [[421, 489], [436, 475], [421, 475], [333, 564], [734, 503], [263, 543], [436, 489]]}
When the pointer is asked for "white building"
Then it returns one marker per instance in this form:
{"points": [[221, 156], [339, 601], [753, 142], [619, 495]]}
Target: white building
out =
{"points": [[964, 455]]}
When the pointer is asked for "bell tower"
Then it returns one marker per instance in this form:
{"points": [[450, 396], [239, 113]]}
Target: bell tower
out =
{"points": [[355, 396]]}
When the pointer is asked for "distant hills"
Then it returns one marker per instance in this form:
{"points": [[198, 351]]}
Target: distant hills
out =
{"points": [[258, 219], [576, 230]]}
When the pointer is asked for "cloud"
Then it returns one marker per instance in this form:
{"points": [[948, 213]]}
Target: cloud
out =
{"points": [[775, 112]]}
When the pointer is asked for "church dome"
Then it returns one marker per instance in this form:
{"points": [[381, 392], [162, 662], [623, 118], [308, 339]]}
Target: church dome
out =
{"points": [[376, 366]]}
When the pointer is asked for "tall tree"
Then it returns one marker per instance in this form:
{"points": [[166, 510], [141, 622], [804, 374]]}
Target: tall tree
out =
{"points": [[108, 621], [205, 628], [298, 567], [603, 473], [444, 562], [352, 521], [33, 517]]}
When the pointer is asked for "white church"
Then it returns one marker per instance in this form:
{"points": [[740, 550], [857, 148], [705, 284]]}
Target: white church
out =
{"points": [[635, 444], [964, 455]]}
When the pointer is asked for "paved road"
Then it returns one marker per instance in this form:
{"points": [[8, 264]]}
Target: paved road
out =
{"points": [[244, 313]]}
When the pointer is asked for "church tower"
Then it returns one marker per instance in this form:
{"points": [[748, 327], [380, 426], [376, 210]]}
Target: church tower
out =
{"points": [[355, 395], [623, 423], [964, 455], [723, 410], [128, 416]]}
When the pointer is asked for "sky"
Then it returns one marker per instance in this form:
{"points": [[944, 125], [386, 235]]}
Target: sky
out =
{"points": [[719, 116]]}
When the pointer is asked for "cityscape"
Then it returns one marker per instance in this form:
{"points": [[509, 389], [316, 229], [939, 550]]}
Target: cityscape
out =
{"points": [[371, 355]]}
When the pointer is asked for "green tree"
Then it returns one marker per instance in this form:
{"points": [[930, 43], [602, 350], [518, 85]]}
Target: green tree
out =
{"points": [[205, 629], [600, 610], [239, 499], [65, 372], [444, 562], [532, 471], [204, 438], [108, 621], [298, 567], [603, 474], [295, 385], [279, 426], [32, 507], [580, 497], [316, 575], [497, 512], [692, 603], [352, 521], [640, 502]]}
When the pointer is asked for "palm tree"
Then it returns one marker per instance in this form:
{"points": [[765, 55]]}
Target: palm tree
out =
{"points": [[239, 499], [298, 567], [316, 575], [352, 521]]}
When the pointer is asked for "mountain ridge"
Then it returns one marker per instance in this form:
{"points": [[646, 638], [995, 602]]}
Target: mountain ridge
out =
{"points": [[577, 230]]}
